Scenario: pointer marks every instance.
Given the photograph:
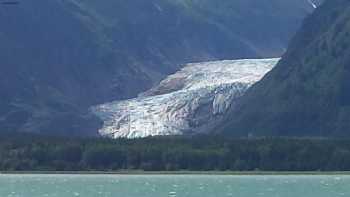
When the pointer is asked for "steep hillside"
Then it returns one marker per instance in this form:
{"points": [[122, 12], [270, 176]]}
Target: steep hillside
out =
{"points": [[59, 57], [308, 93]]}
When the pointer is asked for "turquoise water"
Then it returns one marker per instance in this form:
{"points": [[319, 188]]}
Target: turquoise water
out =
{"points": [[173, 186]]}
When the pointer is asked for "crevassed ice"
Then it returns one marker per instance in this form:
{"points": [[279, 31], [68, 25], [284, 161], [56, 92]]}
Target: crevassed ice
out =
{"points": [[189, 101]]}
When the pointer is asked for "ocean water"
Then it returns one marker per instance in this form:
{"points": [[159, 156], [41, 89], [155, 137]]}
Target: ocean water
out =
{"points": [[174, 186]]}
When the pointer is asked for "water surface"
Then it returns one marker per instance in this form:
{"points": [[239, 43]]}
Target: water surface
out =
{"points": [[174, 185]]}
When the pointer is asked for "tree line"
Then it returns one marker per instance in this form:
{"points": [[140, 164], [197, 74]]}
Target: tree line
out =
{"points": [[24, 152]]}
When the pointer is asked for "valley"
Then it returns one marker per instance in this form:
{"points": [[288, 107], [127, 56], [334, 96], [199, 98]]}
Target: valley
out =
{"points": [[61, 57]]}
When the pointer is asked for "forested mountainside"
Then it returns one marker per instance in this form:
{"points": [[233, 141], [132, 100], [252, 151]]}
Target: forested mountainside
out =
{"points": [[308, 92], [59, 57]]}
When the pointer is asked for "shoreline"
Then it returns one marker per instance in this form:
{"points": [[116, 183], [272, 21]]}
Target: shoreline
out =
{"points": [[232, 173]]}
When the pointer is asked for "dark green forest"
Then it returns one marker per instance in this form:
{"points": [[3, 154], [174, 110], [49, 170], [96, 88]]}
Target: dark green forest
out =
{"points": [[24, 152]]}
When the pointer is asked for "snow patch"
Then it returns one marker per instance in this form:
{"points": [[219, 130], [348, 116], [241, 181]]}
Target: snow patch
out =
{"points": [[312, 4]]}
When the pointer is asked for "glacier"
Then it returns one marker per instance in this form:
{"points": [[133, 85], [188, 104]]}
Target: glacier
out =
{"points": [[191, 101]]}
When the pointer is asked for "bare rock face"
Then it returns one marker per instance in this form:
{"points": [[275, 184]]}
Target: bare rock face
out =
{"points": [[191, 101]]}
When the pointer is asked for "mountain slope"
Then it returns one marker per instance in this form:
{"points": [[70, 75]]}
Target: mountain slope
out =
{"points": [[52, 66], [59, 57], [308, 93]]}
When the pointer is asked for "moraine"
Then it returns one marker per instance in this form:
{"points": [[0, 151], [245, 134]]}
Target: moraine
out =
{"points": [[193, 100]]}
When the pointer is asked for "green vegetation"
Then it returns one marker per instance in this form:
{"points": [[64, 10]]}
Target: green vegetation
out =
{"points": [[20, 152]]}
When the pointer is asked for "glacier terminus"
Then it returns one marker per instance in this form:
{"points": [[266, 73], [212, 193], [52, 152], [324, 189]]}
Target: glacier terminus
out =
{"points": [[191, 101]]}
